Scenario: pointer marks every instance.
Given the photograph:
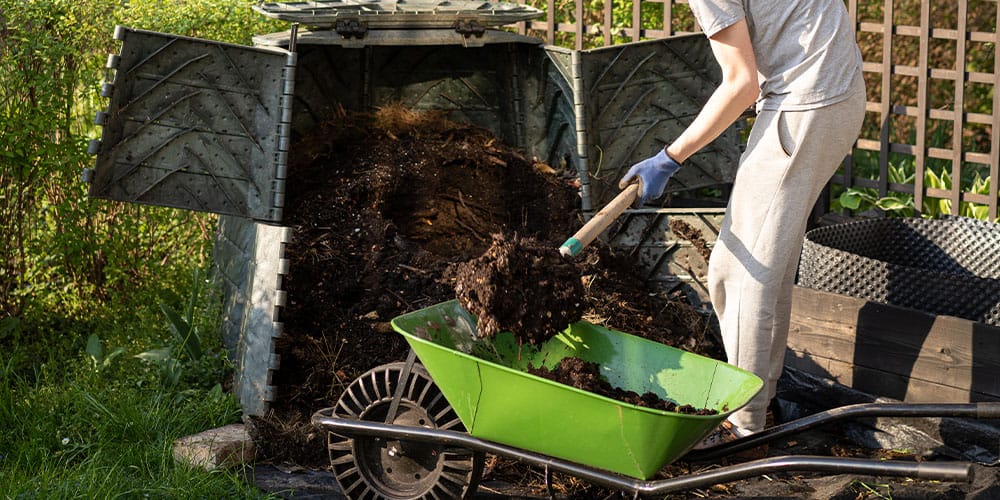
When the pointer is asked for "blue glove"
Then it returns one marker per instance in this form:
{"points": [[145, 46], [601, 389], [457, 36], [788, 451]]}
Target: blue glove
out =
{"points": [[652, 174]]}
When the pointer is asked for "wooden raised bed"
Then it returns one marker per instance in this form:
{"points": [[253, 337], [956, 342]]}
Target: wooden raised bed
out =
{"points": [[894, 352]]}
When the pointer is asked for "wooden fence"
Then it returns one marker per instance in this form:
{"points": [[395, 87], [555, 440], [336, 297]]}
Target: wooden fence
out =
{"points": [[931, 69]]}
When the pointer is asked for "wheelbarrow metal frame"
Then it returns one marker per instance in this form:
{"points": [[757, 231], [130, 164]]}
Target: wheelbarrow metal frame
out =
{"points": [[957, 471], [945, 471]]}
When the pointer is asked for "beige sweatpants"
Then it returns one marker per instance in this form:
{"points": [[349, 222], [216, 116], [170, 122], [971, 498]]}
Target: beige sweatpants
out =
{"points": [[790, 156]]}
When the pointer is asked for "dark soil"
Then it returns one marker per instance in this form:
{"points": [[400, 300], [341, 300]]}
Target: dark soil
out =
{"points": [[522, 286], [385, 207], [585, 375], [684, 230]]}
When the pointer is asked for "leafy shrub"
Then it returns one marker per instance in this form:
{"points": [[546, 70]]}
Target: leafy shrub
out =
{"points": [[63, 254], [902, 204], [81, 279]]}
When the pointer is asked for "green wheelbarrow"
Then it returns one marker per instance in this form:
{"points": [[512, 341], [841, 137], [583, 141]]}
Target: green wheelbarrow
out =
{"points": [[421, 430]]}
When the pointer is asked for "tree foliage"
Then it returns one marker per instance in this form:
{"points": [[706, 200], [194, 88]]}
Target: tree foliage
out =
{"points": [[59, 249]]}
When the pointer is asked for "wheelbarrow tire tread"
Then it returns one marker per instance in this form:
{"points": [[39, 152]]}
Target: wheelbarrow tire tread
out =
{"points": [[371, 467]]}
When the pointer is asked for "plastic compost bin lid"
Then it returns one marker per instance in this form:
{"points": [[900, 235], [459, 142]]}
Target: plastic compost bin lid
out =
{"points": [[325, 14]]}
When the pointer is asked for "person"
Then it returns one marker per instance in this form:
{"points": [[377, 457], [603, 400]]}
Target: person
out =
{"points": [[799, 61]]}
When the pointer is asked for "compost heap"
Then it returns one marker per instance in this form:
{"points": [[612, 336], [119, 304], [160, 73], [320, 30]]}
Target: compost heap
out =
{"points": [[384, 207]]}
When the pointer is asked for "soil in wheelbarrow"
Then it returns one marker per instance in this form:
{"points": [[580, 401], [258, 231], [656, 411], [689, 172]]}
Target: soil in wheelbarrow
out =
{"points": [[585, 375], [384, 208]]}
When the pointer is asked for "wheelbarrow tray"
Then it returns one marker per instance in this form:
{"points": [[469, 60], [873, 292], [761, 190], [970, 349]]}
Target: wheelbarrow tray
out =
{"points": [[487, 384]]}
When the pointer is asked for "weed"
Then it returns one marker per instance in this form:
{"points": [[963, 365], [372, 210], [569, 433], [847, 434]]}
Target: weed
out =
{"points": [[865, 490], [95, 351], [187, 359]]}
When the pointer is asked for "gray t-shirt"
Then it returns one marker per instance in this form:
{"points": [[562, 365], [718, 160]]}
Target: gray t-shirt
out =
{"points": [[806, 51]]}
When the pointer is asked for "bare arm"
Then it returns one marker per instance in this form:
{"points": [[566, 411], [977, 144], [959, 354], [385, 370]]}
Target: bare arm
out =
{"points": [[737, 92]]}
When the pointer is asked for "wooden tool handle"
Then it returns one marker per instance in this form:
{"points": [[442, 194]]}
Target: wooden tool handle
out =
{"points": [[600, 221]]}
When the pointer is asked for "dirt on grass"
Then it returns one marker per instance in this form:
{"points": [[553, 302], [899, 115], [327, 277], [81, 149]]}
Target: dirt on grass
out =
{"points": [[386, 208]]}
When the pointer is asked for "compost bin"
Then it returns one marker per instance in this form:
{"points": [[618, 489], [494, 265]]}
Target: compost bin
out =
{"points": [[209, 126]]}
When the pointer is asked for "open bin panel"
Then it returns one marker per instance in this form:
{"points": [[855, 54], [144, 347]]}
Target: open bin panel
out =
{"points": [[194, 124], [639, 97]]}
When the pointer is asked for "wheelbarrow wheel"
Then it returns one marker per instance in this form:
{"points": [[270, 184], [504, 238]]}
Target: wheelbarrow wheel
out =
{"points": [[375, 467]]}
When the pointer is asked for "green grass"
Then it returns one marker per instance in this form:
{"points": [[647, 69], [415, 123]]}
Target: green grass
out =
{"points": [[85, 284], [72, 427], [85, 437]]}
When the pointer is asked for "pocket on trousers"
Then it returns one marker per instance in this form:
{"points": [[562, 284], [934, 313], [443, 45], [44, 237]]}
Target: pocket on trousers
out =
{"points": [[785, 137]]}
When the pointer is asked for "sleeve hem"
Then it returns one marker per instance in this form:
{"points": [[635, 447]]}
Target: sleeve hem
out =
{"points": [[719, 25]]}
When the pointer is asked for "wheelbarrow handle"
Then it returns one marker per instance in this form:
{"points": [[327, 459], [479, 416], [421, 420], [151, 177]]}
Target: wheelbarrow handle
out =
{"points": [[980, 410], [601, 220]]}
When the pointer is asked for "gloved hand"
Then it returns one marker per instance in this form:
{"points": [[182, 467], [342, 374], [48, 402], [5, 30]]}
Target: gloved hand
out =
{"points": [[652, 174]]}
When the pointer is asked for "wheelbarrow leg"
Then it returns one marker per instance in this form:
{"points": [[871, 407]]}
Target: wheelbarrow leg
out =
{"points": [[404, 379], [548, 483]]}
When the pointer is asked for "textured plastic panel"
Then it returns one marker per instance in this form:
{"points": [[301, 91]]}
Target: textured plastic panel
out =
{"points": [[255, 359], [195, 124], [667, 259], [249, 268], [550, 125], [639, 97], [473, 85], [947, 266], [399, 13], [477, 85], [232, 259], [328, 78]]}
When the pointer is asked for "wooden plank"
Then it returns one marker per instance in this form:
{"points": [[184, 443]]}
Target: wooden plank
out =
{"points": [[607, 24], [550, 22], [923, 98], [636, 20], [958, 125], [885, 100], [580, 25], [882, 383], [916, 345]]}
